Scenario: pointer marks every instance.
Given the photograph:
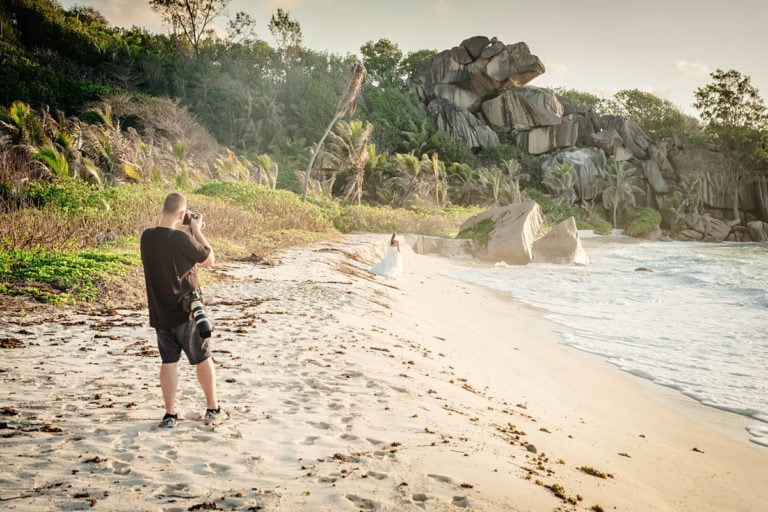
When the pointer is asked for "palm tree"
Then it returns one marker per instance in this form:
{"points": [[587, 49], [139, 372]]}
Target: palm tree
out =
{"points": [[491, 180], [618, 188], [267, 170], [406, 182], [434, 170], [22, 125], [53, 159], [418, 138], [692, 186], [419, 178], [348, 152], [514, 175], [376, 170], [561, 182], [347, 103], [463, 182]]}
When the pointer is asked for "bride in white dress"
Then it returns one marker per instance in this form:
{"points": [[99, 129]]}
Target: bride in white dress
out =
{"points": [[392, 263]]}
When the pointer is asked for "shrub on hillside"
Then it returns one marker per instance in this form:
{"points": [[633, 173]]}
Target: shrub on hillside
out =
{"points": [[642, 222], [269, 209], [381, 219]]}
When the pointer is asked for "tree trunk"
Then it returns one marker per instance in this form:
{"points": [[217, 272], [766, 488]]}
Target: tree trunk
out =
{"points": [[314, 155]]}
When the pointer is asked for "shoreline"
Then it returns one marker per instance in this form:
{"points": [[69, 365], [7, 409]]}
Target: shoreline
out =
{"points": [[732, 422], [349, 391]]}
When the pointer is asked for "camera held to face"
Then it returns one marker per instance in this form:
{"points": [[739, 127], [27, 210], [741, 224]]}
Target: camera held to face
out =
{"points": [[189, 215], [193, 303]]}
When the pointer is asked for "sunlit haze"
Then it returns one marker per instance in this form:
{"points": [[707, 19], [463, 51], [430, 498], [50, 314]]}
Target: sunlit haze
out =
{"points": [[667, 48]]}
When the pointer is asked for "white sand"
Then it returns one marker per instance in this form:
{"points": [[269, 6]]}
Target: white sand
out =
{"points": [[350, 391]]}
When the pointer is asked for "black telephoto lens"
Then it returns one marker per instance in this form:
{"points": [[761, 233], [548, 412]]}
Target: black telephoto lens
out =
{"points": [[195, 306]]}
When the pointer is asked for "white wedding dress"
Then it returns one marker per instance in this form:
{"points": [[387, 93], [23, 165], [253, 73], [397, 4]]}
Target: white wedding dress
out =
{"points": [[391, 265]]}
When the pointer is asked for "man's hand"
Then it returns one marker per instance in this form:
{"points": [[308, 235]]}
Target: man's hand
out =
{"points": [[196, 228]]}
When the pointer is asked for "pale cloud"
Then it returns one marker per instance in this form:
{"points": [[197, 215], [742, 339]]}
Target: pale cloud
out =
{"points": [[556, 69], [440, 7], [665, 94], [684, 67], [602, 92]]}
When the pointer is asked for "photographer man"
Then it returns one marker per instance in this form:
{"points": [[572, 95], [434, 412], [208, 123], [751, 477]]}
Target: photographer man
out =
{"points": [[170, 256]]}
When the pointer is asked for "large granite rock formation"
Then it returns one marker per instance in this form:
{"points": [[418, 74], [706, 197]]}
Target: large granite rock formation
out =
{"points": [[561, 245], [458, 82], [446, 247], [484, 83], [460, 123], [758, 230], [523, 108], [707, 229], [587, 163], [514, 238], [515, 228]]}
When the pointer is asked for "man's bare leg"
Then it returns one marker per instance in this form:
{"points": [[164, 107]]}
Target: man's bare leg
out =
{"points": [[169, 381], [206, 376]]}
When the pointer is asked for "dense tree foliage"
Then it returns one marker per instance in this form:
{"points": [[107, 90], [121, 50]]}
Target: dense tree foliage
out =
{"points": [[263, 109], [657, 117], [736, 121], [190, 19]]}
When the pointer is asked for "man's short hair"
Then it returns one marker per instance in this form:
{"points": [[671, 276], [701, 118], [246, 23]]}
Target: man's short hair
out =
{"points": [[174, 203]]}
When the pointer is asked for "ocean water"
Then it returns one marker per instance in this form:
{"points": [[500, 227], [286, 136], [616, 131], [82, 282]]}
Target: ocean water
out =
{"points": [[696, 320]]}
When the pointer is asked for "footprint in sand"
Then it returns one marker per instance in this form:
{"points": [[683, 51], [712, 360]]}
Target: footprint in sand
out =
{"points": [[219, 468], [321, 425], [461, 501], [180, 490], [311, 440], [121, 468], [441, 478], [363, 503], [377, 476]]}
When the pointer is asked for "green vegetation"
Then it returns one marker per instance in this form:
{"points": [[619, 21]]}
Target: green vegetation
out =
{"points": [[642, 222], [619, 189], [736, 120], [61, 277], [91, 141], [479, 233], [66, 241]]}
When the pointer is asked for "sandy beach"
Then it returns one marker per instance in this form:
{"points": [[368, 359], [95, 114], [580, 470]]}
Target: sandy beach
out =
{"points": [[349, 391]]}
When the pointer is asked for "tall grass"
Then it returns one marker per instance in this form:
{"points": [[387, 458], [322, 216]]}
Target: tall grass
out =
{"points": [[51, 230]]}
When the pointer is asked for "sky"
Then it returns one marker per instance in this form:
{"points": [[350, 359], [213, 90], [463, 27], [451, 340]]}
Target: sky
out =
{"points": [[664, 47]]}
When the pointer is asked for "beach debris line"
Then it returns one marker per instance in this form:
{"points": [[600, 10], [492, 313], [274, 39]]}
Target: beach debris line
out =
{"points": [[559, 491], [595, 472], [11, 343]]}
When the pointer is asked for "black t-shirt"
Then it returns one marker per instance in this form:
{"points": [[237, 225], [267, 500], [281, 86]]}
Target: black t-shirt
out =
{"points": [[169, 257]]}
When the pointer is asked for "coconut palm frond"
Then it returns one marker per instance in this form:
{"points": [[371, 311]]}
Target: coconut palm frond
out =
{"points": [[53, 159], [355, 79], [90, 173], [131, 172]]}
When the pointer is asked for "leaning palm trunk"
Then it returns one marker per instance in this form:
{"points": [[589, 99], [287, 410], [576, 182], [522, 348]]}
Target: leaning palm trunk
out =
{"points": [[348, 102]]}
